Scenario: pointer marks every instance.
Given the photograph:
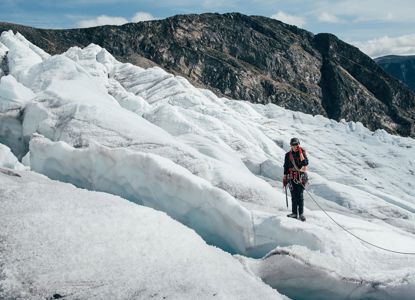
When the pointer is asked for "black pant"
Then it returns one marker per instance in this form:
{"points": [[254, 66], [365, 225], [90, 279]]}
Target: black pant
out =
{"points": [[297, 198]]}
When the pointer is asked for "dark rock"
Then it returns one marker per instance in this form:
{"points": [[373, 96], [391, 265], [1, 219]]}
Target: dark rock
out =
{"points": [[9, 172], [4, 66], [356, 88], [257, 59]]}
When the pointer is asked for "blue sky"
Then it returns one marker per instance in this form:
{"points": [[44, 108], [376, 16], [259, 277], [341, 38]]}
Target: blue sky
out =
{"points": [[376, 27]]}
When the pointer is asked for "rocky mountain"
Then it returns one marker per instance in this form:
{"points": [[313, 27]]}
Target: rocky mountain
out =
{"points": [[257, 59], [400, 67]]}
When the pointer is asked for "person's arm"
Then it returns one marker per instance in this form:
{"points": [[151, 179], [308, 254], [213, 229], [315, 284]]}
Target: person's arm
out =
{"points": [[303, 160], [284, 178], [286, 164]]}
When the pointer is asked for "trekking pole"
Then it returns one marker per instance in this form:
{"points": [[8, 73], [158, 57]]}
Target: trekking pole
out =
{"points": [[286, 197]]}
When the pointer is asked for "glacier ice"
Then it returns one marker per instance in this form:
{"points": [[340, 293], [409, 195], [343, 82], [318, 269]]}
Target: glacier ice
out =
{"points": [[151, 180], [13, 99], [8, 160], [58, 240], [105, 125]]}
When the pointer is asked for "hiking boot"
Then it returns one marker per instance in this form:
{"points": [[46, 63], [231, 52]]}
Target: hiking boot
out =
{"points": [[292, 216], [302, 218]]}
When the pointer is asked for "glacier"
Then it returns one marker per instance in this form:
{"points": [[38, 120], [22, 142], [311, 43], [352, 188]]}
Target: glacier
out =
{"points": [[214, 165], [59, 241]]}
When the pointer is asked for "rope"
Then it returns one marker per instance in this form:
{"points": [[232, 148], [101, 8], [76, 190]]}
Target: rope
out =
{"points": [[341, 226], [351, 233]]}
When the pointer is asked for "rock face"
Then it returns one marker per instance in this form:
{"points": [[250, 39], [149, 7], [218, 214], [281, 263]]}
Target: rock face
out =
{"points": [[400, 67], [356, 88], [257, 59]]}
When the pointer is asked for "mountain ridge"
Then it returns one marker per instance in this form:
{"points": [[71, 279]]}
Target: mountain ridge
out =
{"points": [[401, 67]]}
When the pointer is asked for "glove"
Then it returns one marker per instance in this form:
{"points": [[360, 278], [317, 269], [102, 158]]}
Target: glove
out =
{"points": [[284, 181], [300, 151]]}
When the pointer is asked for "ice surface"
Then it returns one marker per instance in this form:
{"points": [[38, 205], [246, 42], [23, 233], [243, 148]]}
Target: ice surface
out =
{"points": [[58, 240], [8, 160], [13, 95], [21, 56], [154, 139], [324, 262], [13, 99], [150, 180], [80, 109]]}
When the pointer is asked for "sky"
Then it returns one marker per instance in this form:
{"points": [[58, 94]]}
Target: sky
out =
{"points": [[377, 27]]}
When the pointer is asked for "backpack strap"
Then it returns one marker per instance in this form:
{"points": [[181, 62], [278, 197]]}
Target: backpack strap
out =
{"points": [[293, 162]]}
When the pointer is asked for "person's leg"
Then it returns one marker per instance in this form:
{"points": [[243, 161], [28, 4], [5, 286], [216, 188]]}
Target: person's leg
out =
{"points": [[293, 201], [294, 204], [295, 196], [301, 203], [300, 200]]}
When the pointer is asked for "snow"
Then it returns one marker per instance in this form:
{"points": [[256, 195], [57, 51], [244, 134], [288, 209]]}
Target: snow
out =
{"points": [[323, 262], [215, 165], [60, 240], [22, 55], [8, 160], [150, 180], [13, 99], [13, 95]]}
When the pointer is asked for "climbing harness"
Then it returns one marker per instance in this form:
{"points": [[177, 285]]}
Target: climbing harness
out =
{"points": [[297, 176]]}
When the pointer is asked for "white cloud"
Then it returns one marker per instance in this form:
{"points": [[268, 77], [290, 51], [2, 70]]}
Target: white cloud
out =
{"points": [[401, 45], [365, 11], [329, 18], [289, 19], [142, 16], [214, 4], [109, 20], [102, 20]]}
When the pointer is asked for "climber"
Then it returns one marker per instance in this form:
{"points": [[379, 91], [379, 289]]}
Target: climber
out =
{"points": [[295, 168]]}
